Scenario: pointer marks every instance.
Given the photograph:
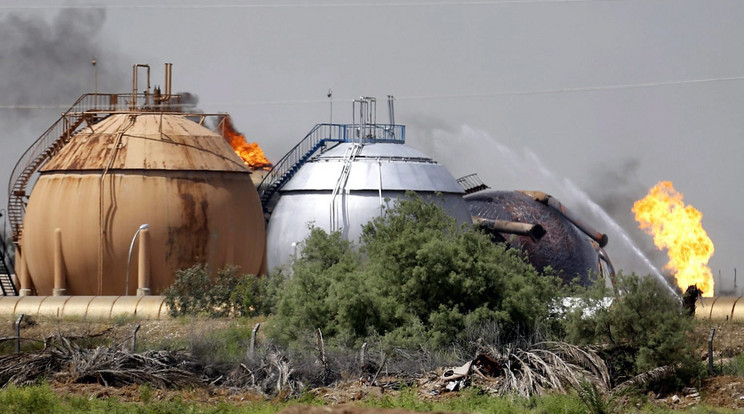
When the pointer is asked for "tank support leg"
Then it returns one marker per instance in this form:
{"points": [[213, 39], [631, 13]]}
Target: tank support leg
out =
{"points": [[60, 275], [143, 265], [23, 272]]}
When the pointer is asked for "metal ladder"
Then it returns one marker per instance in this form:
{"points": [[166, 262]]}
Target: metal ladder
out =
{"points": [[343, 178]]}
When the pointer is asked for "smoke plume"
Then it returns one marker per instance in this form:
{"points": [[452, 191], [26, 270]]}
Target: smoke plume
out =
{"points": [[503, 168], [45, 66], [615, 187]]}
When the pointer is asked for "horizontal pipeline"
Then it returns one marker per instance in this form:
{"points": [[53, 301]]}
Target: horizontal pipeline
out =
{"points": [[87, 307]]}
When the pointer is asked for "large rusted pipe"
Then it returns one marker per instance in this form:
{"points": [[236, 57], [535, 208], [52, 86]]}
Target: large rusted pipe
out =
{"points": [[60, 275], [551, 201], [534, 231]]}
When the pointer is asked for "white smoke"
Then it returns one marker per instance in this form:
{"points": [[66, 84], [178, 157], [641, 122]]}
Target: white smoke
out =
{"points": [[466, 150]]}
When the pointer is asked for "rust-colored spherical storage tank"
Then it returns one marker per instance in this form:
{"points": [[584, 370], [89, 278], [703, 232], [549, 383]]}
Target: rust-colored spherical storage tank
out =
{"points": [[164, 170]]}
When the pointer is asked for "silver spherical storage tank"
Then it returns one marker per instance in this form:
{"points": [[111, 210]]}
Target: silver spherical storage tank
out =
{"points": [[355, 172]]}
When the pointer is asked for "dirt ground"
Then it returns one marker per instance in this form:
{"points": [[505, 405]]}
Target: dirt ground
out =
{"points": [[724, 391]]}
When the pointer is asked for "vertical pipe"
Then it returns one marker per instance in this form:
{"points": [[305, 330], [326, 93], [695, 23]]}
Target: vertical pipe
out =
{"points": [[391, 109], [60, 276], [133, 104], [143, 268], [379, 188]]}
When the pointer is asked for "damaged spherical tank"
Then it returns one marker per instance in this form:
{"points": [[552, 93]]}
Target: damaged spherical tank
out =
{"points": [[571, 253], [346, 186], [96, 195]]}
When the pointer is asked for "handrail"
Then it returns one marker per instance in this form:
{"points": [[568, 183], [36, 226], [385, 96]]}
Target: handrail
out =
{"points": [[6, 264], [320, 135], [93, 106], [472, 183]]}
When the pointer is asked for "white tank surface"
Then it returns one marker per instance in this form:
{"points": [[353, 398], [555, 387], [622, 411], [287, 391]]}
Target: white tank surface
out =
{"points": [[350, 182]]}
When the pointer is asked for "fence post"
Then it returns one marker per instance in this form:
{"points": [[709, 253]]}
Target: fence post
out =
{"points": [[253, 339], [18, 333], [363, 355], [321, 347], [710, 350]]}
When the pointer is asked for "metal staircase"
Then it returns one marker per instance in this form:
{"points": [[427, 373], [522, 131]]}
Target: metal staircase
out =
{"points": [[316, 139], [7, 286], [89, 109]]}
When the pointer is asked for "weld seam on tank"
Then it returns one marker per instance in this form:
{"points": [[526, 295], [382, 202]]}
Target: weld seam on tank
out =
{"points": [[136, 305], [15, 306], [87, 306], [111, 309], [712, 306], [733, 308], [60, 308], [30, 298]]}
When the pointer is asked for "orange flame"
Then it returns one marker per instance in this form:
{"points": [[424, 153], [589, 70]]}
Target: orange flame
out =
{"points": [[251, 154], [677, 228]]}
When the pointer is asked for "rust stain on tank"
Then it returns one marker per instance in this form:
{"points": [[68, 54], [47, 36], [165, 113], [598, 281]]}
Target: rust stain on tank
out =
{"points": [[194, 226]]}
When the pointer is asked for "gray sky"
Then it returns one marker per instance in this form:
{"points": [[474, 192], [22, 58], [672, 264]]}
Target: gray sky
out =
{"points": [[612, 96]]}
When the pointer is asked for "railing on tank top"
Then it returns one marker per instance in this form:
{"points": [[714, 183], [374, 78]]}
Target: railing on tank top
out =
{"points": [[318, 137], [88, 109]]}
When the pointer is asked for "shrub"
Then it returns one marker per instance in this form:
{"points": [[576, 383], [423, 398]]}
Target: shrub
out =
{"points": [[325, 291], [194, 292], [188, 293], [644, 327], [418, 278]]}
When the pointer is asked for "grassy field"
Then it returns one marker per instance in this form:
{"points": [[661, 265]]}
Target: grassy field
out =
{"points": [[226, 340], [45, 399]]}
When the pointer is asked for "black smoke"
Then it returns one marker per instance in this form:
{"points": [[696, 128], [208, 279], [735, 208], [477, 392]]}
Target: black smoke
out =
{"points": [[45, 65]]}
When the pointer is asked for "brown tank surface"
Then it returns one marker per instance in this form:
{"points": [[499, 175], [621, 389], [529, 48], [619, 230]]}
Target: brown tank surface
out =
{"points": [[564, 247], [176, 176]]}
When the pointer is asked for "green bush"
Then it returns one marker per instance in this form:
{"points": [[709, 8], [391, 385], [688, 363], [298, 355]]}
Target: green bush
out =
{"points": [[35, 399], [325, 291], [194, 292], [643, 328], [418, 278]]}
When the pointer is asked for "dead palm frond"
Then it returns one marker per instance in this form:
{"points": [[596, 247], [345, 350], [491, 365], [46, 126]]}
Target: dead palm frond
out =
{"points": [[64, 361], [643, 379], [549, 366]]}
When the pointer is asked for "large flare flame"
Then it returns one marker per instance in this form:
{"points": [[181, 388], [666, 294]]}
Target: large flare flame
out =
{"points": [[251, 154], [677, 228]]}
